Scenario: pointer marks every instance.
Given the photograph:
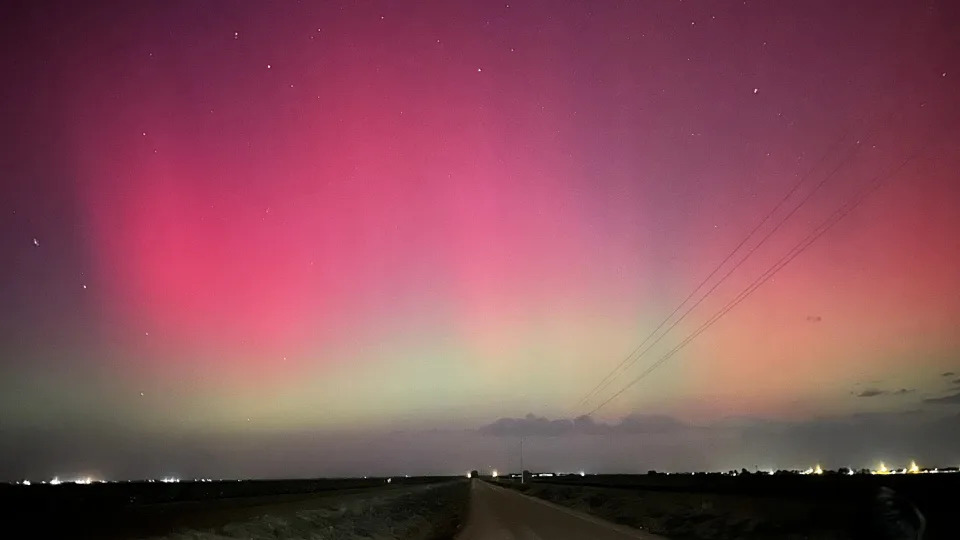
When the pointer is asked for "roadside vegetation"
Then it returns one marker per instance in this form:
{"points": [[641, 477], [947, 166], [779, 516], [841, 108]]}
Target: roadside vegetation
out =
{"points": [[696, 516], [831, 506], [431, 512]]}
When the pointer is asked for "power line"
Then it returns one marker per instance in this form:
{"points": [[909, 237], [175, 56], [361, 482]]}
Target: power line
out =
{"points": [[627, 362], [630, 359], [799, 248], [599, 387], [617, 371]]}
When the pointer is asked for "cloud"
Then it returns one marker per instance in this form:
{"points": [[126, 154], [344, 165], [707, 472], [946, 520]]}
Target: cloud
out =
{"points": [[814, 318], [873, 392], [531, 425], [956, 381], [947, 374], [636, 444], [952, 398], [528, 425]]}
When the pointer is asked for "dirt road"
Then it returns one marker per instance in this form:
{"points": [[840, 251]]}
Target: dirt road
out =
{"points": [[498, 513]]}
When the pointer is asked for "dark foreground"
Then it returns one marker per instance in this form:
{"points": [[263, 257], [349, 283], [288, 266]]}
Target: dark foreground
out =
{"points": [[709, 507], [415, 508], [679, 507]]}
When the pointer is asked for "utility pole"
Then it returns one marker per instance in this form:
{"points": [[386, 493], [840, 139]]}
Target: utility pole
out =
{"points": [[522, 475]]}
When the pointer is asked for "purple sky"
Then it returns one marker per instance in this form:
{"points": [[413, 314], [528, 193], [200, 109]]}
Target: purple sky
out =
{"points": [[308, 238]]}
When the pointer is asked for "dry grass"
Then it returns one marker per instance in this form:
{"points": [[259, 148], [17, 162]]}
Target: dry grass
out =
{"points": [[700, 516], [430, 512]]}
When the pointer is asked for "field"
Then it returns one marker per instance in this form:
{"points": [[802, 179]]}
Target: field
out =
{"points": [[679, 507], [415, 508], [709, 507]]}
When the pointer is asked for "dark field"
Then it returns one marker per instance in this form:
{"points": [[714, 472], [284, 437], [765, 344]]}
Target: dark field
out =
{"points": [[751, 506], [421, 507]]}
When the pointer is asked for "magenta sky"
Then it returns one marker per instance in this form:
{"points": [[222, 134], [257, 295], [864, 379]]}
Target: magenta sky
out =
{"points": [[278, 218]]}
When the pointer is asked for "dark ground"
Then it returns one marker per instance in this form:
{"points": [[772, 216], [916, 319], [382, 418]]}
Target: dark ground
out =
{"points": [[752, 506], [422, 507], [681, 507]]}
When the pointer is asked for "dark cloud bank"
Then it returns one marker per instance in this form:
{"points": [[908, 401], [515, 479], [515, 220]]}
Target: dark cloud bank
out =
{"points": [[949, 399], [636, 443], [873, 392], [863, 439]]}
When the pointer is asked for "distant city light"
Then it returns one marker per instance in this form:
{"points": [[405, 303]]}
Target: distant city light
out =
{"points": [[911, 468]]}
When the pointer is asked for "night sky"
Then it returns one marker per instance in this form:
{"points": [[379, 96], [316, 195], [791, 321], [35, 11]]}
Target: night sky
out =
{"points": [[342, 238]]}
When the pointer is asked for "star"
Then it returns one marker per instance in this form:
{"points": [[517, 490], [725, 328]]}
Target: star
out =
{"points": [[84, 286], [755, 90], [269, 66], [236, 35], [479, 70], [36, 242], [141, 394]]}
